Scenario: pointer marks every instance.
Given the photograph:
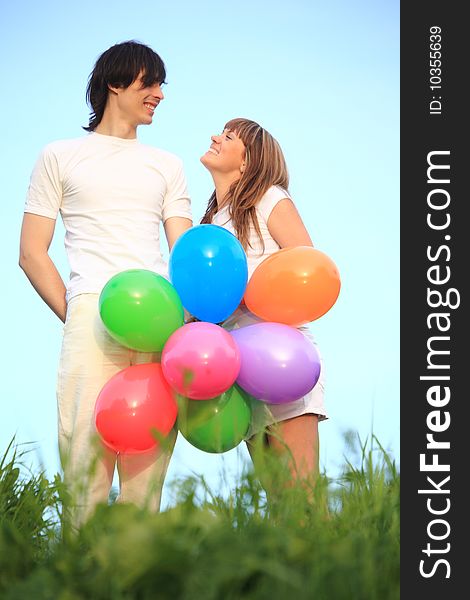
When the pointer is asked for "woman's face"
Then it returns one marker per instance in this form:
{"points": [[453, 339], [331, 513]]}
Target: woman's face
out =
{"points": [[226, 154]]}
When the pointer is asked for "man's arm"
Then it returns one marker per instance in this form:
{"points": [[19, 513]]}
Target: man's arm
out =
{"points": [[174, 227], [36, 237]]}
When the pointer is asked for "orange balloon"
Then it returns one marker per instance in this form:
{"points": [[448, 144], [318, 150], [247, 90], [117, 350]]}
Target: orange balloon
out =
{"points": [[135, 407], [294, 286]]}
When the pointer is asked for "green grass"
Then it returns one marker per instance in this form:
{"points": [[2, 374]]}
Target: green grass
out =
{"points": [[338, 540]]}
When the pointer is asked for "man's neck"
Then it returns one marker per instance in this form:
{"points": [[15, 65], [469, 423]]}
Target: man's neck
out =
{"points": [[116, 129]]}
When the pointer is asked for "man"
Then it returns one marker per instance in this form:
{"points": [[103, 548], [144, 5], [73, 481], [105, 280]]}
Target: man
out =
{"points": [[112, 193]]}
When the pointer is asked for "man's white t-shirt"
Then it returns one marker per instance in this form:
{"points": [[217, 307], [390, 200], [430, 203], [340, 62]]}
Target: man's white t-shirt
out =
{"points": [[112, 194], [254, 252]]}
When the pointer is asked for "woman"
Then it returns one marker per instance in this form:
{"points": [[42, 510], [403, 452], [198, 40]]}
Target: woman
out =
{"points": [[251, 200]]}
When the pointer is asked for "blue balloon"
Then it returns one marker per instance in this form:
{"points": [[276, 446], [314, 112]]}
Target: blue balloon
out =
{"points": [[209, 270]]}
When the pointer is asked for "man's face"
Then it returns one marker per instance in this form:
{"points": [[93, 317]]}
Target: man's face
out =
{"points": [[136, 103]]}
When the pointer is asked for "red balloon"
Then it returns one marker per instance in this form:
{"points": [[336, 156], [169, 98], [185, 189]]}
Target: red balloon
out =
{"points": [[135, 408]]}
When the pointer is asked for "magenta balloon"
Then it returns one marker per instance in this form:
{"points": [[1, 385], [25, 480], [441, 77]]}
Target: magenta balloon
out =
{"points": [[278, 363], [200, 360]]}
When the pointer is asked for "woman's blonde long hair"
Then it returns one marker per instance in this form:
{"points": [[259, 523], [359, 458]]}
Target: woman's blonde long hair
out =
{"points": [[264, 166]]}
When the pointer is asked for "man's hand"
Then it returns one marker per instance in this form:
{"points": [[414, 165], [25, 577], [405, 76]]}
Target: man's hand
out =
{"points": [[36, 237]]}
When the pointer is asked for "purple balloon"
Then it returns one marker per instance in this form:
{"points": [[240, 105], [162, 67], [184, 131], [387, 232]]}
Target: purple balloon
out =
{"points": [[278, 363]]}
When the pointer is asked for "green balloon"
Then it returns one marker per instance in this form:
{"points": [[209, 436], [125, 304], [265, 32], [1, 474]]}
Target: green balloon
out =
{"points": [[218, 424], [140, 309]]}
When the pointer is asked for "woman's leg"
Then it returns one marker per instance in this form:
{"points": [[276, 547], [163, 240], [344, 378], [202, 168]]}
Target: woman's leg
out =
{"points": [[297, 440], [292, 442]]}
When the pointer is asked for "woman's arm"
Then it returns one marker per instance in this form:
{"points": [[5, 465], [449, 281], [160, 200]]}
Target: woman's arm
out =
{"points": [[286, 225]]}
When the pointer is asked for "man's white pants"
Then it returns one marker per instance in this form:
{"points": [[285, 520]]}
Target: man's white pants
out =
{"points": [[89, 358]]}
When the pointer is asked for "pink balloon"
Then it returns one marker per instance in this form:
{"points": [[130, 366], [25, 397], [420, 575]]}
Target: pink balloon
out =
{"points": [[200, 360]]}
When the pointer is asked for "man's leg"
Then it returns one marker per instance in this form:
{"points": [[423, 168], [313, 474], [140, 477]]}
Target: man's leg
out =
{"points": [[141, 476], [89, 358]]}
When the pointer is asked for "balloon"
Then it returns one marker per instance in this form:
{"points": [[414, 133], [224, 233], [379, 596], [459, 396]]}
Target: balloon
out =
{"points": [[218, 424], [278, 363], [135, 407], [208, 268], [200, 360], [293, 286], [140, 309]]}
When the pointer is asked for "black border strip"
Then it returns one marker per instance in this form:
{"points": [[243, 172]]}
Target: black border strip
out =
{"points": [[434, 354]]}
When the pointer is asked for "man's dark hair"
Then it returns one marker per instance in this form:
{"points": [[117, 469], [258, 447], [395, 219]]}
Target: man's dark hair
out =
{"points": [[120, 66]]}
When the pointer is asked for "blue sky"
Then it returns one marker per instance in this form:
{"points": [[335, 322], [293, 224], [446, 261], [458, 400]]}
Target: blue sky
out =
{"points": [[323, 78]]}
